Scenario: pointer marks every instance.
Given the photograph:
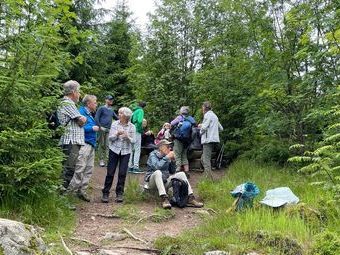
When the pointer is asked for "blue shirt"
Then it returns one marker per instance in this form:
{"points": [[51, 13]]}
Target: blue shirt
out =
{"points": [[104, 116], [90, 134]]}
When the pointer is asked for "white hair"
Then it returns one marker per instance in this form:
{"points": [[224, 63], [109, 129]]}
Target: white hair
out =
{"points": [[126, 112], [88, 98], [184, 110], [70, 87]]}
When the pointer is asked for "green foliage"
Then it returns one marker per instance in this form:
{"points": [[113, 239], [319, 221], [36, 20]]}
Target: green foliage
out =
{"points": [[327, 243], [31, 58], [133, 191], [290, 230], [323, 162]]}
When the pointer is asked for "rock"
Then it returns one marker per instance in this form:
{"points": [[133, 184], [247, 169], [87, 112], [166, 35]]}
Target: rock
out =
{"points": [[17, 238], [114, 236], [108, 252], [216, 253], [82, 253]]}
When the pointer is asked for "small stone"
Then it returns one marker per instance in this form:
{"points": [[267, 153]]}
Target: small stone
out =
{"points": [[114, 236], [82, 253], [216, 253], [93, 218]]}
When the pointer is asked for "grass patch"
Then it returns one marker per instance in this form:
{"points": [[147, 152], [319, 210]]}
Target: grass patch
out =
{"points": [[133, 191], [161, 215], [128, 212], [50, 212], [290, 230]]}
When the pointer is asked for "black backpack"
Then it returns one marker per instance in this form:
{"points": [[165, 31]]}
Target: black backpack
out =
{"points": [[180, 193], [53, 121]]}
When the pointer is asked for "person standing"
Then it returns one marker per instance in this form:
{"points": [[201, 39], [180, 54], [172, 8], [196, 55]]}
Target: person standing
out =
{"points": [[73, 136], [137, 120], [85, 162], [183, 124], [121, 137], [209, 130], [104, 116]]}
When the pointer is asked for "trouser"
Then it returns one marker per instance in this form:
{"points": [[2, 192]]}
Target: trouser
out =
{"points": [[71, 152], [111, 169], [206, 157], [83, 169], [103, 144], [136, 149], [156, 182], [181, 154]]}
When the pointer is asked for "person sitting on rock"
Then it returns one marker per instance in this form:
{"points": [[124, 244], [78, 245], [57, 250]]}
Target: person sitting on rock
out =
{"points": [[161, 168]]}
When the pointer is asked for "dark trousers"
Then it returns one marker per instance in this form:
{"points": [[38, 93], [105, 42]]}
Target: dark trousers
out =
{"points": [[111, 169], [71, 152]]}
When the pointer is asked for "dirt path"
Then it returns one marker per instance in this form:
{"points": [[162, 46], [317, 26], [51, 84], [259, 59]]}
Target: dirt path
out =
{"points": [[93, 228]]}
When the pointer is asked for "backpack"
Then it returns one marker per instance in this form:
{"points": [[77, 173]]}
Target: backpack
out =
{"points": [[182, 131], [53, 121], [180, 193]]}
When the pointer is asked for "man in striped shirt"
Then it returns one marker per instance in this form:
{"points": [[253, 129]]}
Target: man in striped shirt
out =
{"points": [[73, 121]]}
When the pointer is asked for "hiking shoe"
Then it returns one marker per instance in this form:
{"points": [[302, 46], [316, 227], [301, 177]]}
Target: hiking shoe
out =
{"points": [[131, 170], [102, 163], [193, 202], [83, 197], [138, 171], [165, 202], [105, 198], [119, 199]]}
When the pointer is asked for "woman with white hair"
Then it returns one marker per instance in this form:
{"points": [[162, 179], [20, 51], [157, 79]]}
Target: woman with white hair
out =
{"points": [[122, 135]]}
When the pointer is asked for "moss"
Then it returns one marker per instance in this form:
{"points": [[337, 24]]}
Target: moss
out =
{"points": [[285, 245], [2, 251]]}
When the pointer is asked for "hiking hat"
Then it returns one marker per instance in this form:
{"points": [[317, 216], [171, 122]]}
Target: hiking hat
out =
{"points": [[109, 97], [163, 142]]}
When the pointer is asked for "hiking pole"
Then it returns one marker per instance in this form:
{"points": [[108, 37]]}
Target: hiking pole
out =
{"points": [[221, 158]]}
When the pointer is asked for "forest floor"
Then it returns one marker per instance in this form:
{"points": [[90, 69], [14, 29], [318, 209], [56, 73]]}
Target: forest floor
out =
{"points": [[97, 233]]}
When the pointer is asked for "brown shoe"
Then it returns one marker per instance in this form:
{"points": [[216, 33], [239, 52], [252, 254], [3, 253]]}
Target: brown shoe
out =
{"points": [[165, 202], [193, 202]]}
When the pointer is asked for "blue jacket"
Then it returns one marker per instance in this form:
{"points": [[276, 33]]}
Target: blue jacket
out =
{"points": [[157, 161], [90, 135]]}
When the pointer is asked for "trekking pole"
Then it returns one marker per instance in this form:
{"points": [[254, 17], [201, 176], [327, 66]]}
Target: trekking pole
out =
{"points": [[221, 158]]}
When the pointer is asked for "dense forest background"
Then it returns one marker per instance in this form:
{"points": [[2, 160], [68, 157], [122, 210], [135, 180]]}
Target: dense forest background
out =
{"points": [[270, 69]]}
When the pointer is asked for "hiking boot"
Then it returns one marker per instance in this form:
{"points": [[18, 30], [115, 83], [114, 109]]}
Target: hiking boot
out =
{"points": [[165, 202], [193, 202], [138, 171], [119, 199], [83, 196], [131, 170], [102, 163], [105, 198]]}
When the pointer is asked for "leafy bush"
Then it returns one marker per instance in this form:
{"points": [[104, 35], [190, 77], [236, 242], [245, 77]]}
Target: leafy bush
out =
{"points": [[327, 243]]}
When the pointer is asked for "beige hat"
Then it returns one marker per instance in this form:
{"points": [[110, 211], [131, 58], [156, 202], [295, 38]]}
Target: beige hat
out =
{"points": [[163, 142]]}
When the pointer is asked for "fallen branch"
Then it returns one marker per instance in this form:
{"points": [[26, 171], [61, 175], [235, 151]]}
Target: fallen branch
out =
{"points": [[210, 210], [65, 246], [83, 240], [139, 249], [108, 216], [133, 236]]}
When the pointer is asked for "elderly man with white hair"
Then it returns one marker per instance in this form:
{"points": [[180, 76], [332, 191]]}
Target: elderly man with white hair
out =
{"points": [[73, 137], [121, 137], [85, 162]]}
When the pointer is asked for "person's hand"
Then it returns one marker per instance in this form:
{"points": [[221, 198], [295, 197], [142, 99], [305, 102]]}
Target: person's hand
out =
{"points": [[95, 128], [102, 129], [199, 125], [120, 132], [148, 133], [81, 121], [171, 155], [124, 135]]}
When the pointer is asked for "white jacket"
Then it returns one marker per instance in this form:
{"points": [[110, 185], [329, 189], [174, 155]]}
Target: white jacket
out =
{"points": [[210, 128]]}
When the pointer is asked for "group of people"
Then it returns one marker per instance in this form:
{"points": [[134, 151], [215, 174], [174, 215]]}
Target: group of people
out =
{"points": [[123, 140]]}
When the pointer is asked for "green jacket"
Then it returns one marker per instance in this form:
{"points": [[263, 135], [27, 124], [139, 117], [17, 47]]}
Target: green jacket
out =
{"points": [[137, 118]]}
